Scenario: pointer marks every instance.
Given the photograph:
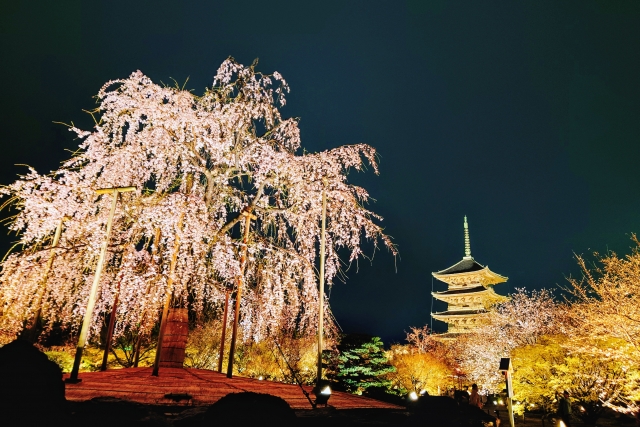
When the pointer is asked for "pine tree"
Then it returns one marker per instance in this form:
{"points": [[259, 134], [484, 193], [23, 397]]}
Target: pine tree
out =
{"points": [[362, 364]]}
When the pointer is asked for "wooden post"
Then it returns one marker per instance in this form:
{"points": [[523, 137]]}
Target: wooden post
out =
{"points": [[227, 291], [243, 262], [169, 296], [43, 286], [112, 323], [321, 290], [136, 355], [93, 294], [174, 341], [506, 369], [509, 398]]}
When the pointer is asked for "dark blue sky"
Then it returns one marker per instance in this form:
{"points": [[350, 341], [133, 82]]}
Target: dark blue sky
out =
{"points": [[521, 115]]}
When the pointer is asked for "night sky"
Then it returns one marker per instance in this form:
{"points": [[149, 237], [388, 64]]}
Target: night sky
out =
{"points": [[521, 115]]}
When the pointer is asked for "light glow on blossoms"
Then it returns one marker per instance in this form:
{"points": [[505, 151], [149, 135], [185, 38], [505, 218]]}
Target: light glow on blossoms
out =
{"points": [[520, 321], [197, 162]]}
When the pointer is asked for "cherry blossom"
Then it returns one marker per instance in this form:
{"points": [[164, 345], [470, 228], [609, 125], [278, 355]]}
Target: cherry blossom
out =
{"points": [[197, 163]]}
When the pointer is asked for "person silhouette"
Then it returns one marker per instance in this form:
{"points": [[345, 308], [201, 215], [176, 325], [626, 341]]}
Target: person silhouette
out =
{"points": [[564, 408]]}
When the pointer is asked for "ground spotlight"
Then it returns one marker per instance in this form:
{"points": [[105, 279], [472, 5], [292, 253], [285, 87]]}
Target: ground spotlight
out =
{"points": [[322, 392]]}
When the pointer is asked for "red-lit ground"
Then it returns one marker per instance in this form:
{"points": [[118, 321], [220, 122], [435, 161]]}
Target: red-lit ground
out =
{"points": [[205, 387]]}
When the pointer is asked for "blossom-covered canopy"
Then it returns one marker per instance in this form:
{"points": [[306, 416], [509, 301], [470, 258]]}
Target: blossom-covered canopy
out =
{"points": [[197, 163]]}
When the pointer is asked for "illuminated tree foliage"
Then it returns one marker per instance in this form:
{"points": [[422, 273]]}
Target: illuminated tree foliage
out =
{"points": [[577, 347], [546, 368], [425, 364], [293, 356], [197, 163], [535, 365], [606, 312], [362, 364], [418, 371], [423, 341], [520, 321]]}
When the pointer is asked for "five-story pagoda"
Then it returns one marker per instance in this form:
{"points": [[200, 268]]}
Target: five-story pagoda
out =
{"points": [[469, 294]]}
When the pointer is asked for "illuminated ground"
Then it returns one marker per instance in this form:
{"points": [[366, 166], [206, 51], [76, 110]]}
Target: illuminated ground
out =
{"points": [[204, 387]]}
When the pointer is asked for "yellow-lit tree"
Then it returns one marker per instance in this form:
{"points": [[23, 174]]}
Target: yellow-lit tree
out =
{"points": [[607, 304], [418, 371], [294, 355], [422, 340], [548, 367]]}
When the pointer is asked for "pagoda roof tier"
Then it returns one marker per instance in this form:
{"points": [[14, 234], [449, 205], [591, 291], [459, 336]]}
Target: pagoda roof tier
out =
{"points": [[456, 313], [487, 295], [457, 291], [467, 272], [447, 336], [466, 265]]}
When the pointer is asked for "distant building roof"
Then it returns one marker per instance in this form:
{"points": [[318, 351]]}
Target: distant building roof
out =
{"points": [[468, 264], [458, 312], [447, 336], [464, 270], [462, 291]]}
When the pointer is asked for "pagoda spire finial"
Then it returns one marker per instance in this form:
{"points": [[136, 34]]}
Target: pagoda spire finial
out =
{"points": [[467, 244]]}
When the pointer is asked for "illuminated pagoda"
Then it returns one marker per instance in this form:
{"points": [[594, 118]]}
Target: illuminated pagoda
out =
{"points": [[470, 293]]}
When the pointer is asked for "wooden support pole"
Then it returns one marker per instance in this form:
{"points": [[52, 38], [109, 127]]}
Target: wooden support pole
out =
{"points": [[506, 369], [93, 294], [169, 295], [112, 323], [321, 290], [136, 355], [509, 399], [224, 328], [236, 318], [33, 328], [163, 325], [154, 252]]}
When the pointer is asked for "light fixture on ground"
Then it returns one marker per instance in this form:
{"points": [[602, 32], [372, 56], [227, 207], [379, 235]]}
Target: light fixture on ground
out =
{"points": [[323, 392]]}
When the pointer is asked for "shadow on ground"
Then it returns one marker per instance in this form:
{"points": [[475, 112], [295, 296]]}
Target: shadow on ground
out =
{"points": [[260, 409]]}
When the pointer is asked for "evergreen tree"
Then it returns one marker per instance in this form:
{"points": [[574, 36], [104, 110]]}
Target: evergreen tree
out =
{"points": [[362, 364]]}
